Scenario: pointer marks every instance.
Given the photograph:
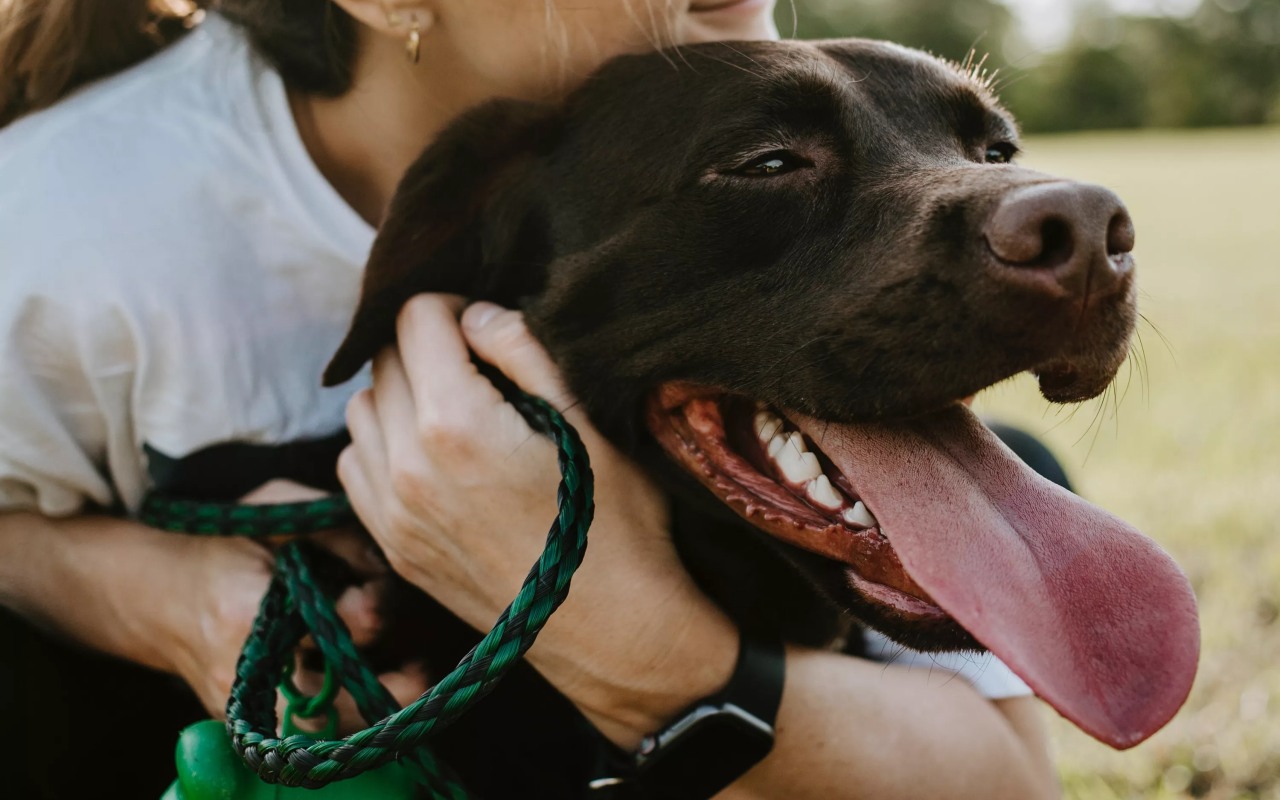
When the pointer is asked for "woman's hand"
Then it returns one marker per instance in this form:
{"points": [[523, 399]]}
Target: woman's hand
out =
{"points": [[460, 492], [174, 603], [222, 581]]}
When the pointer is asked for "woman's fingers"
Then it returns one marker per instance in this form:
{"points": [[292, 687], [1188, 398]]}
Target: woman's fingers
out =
{"points": [[353, 547], [500, 337], [358, 607], [446, 388], [395, 412], [406, 684]]}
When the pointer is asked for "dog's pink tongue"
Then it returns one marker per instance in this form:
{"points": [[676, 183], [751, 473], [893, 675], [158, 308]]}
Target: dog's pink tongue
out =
{"points": [[1094, 616]]}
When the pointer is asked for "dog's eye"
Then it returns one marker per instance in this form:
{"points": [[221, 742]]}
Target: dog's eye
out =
{"points": [[1001, 153], [778, 162]]}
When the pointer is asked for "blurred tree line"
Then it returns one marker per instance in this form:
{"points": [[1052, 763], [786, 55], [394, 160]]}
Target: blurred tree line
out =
{"points": [[1218, 66]]}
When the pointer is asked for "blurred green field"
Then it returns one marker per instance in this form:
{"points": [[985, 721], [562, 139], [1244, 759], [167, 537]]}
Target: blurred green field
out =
{"points": [[1188, 447]]}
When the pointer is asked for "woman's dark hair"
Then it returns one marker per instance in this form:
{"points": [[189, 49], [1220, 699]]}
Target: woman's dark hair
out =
{"points": [[50, 47]]}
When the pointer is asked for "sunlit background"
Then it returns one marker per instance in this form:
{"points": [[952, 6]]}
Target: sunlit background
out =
{"points": [[1168, 102]]}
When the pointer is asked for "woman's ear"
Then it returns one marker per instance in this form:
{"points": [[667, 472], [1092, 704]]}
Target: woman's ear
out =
{"points": [[390, 17], [464, 220]]}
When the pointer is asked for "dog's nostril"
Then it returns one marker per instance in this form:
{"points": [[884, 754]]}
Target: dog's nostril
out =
{"points": [[1062, 237], [1056, 242], [1120, 234]]}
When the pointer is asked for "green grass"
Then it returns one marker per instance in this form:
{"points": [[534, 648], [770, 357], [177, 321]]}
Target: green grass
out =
{"points": [[1188, 447]]}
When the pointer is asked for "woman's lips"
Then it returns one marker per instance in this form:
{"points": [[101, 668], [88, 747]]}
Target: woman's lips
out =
{"points": [[727, 5]]}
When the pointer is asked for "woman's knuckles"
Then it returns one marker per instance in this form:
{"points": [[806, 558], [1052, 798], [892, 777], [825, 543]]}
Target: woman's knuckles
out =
{"points": [[410, 484], [449, 440]]}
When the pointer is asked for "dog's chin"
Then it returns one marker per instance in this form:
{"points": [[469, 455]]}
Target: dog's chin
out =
{"points": [[1067, 381], [759, 464]]}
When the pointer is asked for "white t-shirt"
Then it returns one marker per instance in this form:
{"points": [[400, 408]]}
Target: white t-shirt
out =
{"points": [[983, 671], [175, 273]]}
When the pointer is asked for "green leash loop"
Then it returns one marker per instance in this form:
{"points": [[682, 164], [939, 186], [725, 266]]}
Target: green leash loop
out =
{"points": [[294, 605], [304, 706]]}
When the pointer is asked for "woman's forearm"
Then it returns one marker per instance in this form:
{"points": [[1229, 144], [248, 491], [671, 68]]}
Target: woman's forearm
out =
{"points": [[73, 576], [854, 728], [847, 727]]}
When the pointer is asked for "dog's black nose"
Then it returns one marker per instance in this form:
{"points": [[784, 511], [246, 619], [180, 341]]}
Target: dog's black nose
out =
{"points": [[1078, 234]]}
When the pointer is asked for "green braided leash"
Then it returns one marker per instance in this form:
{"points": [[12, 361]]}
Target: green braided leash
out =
{"points": [[294, 606], [233, 519]]}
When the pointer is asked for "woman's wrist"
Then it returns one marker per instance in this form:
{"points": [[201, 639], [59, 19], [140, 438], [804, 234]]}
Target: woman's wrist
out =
{"points": [[123, 588], [74, 571], [633, 674]]}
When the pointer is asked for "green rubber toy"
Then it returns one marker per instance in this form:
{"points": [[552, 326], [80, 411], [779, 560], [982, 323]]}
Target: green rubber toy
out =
{"points": [[209, 769]]}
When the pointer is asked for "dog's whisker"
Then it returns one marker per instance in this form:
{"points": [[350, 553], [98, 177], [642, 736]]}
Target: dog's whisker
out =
{"points": [[1156, 329], [1096, 424], [1128, 376], [1144, 368], [1116, 401]]}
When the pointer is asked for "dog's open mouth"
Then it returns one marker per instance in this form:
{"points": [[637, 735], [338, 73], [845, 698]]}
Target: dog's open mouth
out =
{"points": [[938, 526], [762, 465]]}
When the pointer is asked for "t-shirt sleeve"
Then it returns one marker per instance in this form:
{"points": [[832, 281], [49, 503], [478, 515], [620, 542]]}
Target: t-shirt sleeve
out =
{"points": [[986, 673], [52, 434]]}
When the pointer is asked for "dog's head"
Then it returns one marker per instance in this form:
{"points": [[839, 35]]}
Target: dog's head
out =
{"points": [[784, 265]]}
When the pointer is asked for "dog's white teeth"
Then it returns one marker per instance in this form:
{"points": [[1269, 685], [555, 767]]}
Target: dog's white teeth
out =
{"points": [[767, 426], [796, 440], [809, 466], [796, 467], [822, 493], [860, 515], [776, 445]]}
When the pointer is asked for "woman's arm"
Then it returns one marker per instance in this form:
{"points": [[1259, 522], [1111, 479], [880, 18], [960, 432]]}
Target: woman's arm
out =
{"points": [[174, 603], [169, 602], [458, 491], [854, 728]]}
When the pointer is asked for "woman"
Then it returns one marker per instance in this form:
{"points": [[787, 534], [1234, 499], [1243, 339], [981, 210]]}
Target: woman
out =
{"points": [[181, 245]]}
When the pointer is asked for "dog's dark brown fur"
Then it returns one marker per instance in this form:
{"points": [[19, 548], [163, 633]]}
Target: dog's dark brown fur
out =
{"points": [[640, 231]]}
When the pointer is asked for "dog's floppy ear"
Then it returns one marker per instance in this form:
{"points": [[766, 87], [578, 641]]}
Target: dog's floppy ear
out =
{"points": [[462, 221]]}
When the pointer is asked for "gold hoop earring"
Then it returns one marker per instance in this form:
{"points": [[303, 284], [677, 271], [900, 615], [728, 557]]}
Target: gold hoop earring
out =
{"points": [[413, 43]]}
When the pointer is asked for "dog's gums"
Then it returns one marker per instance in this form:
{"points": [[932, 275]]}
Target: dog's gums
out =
{"points": [[767, 471]]}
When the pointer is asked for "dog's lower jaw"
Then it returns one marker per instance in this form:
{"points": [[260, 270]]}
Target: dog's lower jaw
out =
{"points": [[713, 437], [763, 582]]}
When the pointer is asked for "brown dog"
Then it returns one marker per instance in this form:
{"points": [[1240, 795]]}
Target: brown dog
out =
{"points": [[770, 271]]}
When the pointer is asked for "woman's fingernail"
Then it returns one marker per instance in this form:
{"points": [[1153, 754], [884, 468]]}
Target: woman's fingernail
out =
{"points": [[480, 315]]}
